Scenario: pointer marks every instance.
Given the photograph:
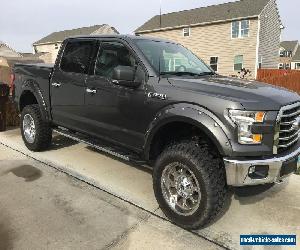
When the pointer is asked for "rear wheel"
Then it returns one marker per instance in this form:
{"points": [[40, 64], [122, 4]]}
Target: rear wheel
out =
{"points": [[36, 133], [190, 184]]}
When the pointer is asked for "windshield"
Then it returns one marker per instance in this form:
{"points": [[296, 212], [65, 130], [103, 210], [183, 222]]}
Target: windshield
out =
{"points": [[169, 58]]}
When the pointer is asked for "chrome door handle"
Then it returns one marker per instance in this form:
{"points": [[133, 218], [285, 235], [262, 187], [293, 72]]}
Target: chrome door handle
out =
{"points": [[91, 91], [56, 85]]}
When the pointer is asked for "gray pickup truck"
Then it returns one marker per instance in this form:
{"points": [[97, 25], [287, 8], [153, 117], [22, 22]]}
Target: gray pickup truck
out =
{"points": [[153, 101]]}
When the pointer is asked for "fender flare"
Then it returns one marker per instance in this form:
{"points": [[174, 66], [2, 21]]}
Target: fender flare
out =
{"points": [[33, 87], [202, 118]]}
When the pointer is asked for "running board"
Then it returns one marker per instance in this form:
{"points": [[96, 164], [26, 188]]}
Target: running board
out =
{"points": [[101, 146]]}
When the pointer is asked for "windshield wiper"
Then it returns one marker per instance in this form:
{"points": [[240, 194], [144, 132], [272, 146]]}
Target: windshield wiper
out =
{"points": [[207, 73]]}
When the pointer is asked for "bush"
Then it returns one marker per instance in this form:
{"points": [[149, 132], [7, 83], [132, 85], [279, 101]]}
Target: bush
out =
{"points": [[12, 114]]}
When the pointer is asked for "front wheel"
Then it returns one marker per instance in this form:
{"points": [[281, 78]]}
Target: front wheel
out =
{"points": [[36, 133], [190, 184]]}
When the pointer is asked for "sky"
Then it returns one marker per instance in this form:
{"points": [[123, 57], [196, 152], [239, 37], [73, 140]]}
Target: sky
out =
{"points": [[24, 22]]}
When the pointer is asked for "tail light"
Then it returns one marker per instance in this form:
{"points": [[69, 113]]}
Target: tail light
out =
{"points": [[12, 84]]}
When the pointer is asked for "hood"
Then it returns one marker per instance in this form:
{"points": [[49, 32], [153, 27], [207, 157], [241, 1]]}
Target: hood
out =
{"points": [[252, 95]]}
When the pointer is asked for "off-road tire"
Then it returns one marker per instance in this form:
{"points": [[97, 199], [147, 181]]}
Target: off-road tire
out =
{"points": [[43, 137], [208, 169]]}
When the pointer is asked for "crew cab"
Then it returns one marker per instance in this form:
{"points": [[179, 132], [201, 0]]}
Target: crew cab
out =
{"points": [[152, 100]]}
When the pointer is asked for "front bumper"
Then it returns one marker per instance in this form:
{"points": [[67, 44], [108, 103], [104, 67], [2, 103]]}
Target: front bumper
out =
{"points": [[237, 171]]}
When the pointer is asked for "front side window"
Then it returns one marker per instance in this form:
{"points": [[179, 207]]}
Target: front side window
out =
{"points": [[110, 56], [77, 56], [169, 58], [214, 63], [238, 62], [240, 29], [297, 65]]}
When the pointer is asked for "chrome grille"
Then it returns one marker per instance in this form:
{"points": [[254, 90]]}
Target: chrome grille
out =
{"points": [[287, 130]]}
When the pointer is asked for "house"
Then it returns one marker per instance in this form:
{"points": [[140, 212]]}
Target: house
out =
{"points": [[287, 51], [8, 57], [7, 51], [50, 44], [295, 64], [228, 37]]}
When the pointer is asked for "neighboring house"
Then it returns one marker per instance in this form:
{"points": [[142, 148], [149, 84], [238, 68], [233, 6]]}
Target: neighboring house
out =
{"points": [[287, 51], [8, 57], [230, 36], [295, 64], [50, 44], [7, 51]]}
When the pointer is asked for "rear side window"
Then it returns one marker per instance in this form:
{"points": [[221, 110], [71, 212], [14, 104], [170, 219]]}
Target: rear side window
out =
{"points": [[77, 56]]}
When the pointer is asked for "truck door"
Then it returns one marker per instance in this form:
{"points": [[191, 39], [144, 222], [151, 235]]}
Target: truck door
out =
{"points": [[68, 83], [114, 111]]}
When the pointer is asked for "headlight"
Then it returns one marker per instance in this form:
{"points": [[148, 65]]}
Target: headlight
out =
{"points": [[244, 120]]}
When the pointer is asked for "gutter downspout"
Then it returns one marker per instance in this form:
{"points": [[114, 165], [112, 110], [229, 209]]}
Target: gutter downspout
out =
{"points": [[257, 48]]}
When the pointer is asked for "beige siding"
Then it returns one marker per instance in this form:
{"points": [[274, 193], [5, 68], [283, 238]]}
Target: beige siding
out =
{"points": [[105, 29], [48, 48], [6, 51], [215, 40], [270, 33]]}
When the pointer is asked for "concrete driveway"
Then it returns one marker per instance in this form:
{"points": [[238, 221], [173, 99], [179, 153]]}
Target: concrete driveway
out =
{"points": [[42, 208], [258, 210]]}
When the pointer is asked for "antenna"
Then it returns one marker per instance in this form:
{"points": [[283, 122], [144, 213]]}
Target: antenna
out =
{"points": [[160, 13]]}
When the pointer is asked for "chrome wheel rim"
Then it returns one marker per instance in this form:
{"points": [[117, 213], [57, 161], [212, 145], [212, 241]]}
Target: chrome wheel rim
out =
{"points": [[181, 189], [29, 128]]}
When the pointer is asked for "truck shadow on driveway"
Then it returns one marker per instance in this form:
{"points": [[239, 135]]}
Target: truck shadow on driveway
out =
{"points": [[59, 142], [253, 194], [246, 196]]}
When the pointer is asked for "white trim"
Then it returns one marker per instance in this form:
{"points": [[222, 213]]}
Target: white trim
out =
{"points": [[196, 24], [189, 28]]}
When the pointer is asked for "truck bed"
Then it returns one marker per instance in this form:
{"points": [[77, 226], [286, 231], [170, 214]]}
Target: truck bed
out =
{"points": [[37, 74]]}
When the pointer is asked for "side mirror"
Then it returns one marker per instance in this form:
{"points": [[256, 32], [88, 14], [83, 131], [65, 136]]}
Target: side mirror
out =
{"points": [[125, 76]]}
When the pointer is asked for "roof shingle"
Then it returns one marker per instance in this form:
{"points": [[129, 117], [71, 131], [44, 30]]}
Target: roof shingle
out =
{"points": [[296, 57], [62, 35], [221, 12], [7, 51], [289, 45]]}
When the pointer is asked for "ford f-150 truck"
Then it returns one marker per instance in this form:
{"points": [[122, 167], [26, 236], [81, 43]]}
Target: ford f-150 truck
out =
{"points": [[153, 101]]}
